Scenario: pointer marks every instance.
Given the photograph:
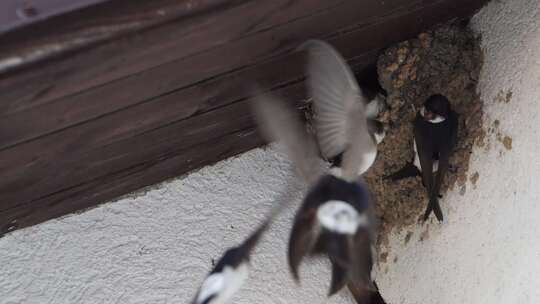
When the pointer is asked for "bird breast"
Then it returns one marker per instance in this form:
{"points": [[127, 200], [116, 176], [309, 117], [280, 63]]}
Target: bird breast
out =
{"points": [[223, 284], [367, 162], [340, 217]]}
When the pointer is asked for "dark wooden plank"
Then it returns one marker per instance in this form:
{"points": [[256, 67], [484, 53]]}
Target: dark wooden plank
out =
{"points": [[17, 13], [113, 141], [96, 24], [65, 147], [159, 45], [80, 166], [160, 154], [72, 110], [103, 188]]}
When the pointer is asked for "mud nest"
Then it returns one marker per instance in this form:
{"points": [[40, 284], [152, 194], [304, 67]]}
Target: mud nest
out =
{"points": [[446, 60]]}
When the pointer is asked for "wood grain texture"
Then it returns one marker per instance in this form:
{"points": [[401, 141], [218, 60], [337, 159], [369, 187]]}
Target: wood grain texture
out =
{"points": [[91, 26], [162, 50], [17, 13], [102, 188], [48, 117], [163, 153], [163, 100]]}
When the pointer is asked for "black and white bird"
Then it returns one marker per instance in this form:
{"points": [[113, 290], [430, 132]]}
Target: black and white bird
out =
{"points": [[435, 137], [328, 76], [336, 217], [232, 270]]}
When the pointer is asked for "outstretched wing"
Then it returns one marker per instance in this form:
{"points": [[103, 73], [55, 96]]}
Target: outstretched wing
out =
{"points": [[304, 235], [360, 143], [279, 204], [217, 281], [278, 122], [361, 285], [339, 107], [362, 258], [339, 278]]}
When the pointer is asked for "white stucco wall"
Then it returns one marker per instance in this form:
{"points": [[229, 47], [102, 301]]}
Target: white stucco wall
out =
{"points": [[156, 246], [488, 250]]}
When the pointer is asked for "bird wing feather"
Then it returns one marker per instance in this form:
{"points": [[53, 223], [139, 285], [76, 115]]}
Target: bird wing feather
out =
{"points": [[304, 235], [277, 122], [339, 107]]}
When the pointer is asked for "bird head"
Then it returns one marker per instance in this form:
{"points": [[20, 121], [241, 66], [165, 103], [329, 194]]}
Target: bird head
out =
{"points": [[436, 108]]}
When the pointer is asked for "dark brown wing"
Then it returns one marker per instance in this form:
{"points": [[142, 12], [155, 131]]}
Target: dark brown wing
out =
{"points": [[362, 259], [304, 235], [447, 142], [445, 152], [376, 297], [360, 293], [279, 122], [339, 278], [425, 150], [338, 248]]}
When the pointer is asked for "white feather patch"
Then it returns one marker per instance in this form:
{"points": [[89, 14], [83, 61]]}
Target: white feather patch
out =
{"points": [[369, 159], [416, 161], [379, 136], [375, 106], [437, 119], [340, 217], [223, 284], [336, 171]]}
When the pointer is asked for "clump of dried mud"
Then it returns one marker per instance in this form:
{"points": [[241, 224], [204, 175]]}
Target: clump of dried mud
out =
{"points": [[445, 60]]}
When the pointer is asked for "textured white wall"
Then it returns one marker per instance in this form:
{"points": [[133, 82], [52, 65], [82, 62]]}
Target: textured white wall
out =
{"points": [[488, 250], [156, 247]]}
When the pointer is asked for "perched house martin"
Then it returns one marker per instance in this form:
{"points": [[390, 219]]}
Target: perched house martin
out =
{"points": [[328, 76], [336, 217], [435, 137]]}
